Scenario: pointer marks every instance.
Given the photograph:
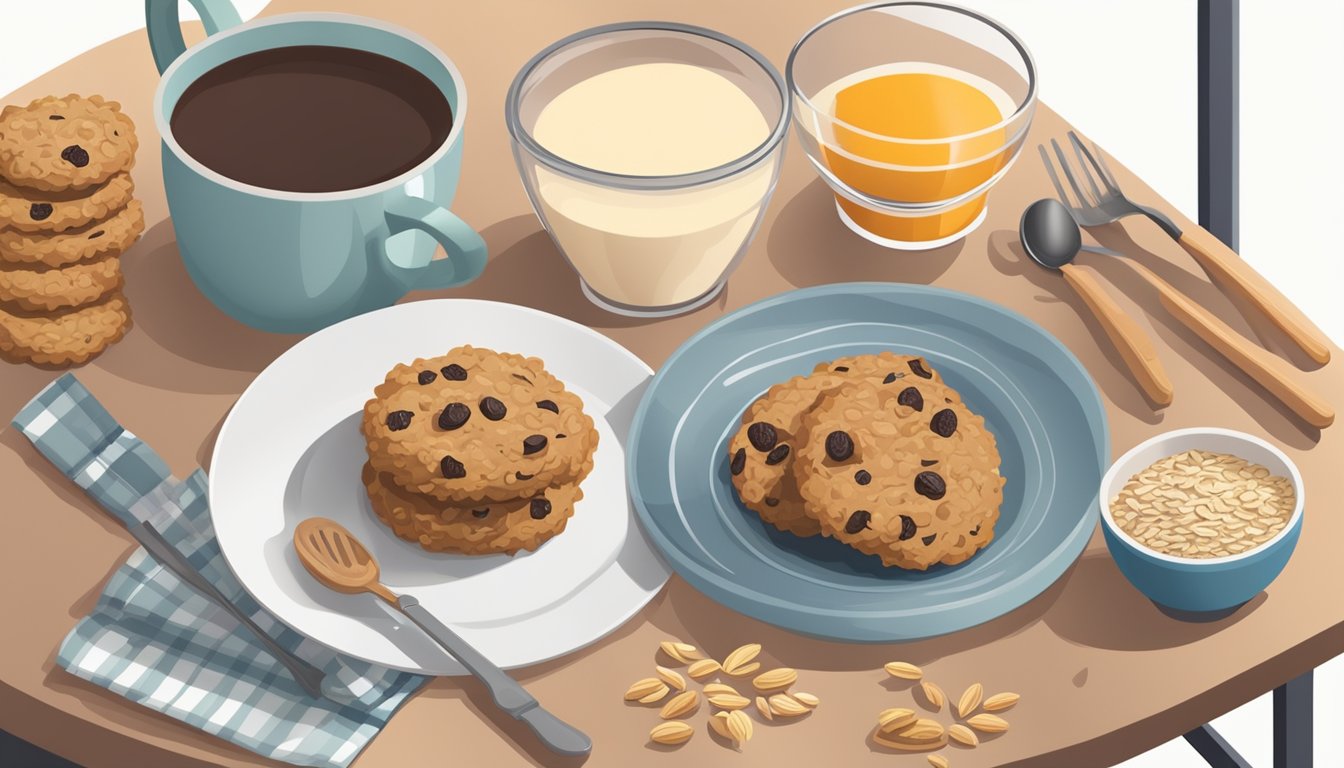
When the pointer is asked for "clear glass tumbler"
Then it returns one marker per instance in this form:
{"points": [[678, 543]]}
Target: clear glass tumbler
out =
{"points": [[648, 243], [911, 111]]}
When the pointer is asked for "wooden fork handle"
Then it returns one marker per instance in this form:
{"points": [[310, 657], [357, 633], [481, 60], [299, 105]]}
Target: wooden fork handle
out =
{"points": [[1224, 265], [1268, 370], [1130, 340]]}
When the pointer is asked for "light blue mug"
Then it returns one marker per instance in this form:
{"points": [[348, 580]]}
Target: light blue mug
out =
{"points": [[298, 261]]}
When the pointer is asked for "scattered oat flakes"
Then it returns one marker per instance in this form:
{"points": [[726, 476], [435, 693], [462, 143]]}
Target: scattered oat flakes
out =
{"points": [[920, 736], [807, 699], [775, 679], [682, 653], [719, 724], [739, 726], [671, 732], [970, 699], [745, 669], [740, 657], [987, 723], [904, 670], [785, 705], [672, 678], [896, 718], [1000, 701], [641, 688], [656, 695], [703, 668], [922, 729], [683, 703], [729, 701], [933, 695], [962, 735]]}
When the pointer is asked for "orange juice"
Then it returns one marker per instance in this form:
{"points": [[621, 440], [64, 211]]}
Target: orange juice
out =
{"points": [[912, 133]]}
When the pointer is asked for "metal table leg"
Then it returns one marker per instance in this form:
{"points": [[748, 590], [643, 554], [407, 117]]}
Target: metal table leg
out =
{"points": [[1293, 710], [1292, 723], [1219, 137], [1214, 748], [1219, 115]]}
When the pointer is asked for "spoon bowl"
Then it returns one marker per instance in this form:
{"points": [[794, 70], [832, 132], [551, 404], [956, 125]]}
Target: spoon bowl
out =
{"points": [[337, 559], [1049, 234]]}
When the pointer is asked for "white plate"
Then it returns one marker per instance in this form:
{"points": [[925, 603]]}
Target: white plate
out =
{"points": [[291, 449]]}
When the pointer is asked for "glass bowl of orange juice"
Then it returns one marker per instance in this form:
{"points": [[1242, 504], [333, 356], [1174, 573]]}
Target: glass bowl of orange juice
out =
{"points": [[911, 111]]}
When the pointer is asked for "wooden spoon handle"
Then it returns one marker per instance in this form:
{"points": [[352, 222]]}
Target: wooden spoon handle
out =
{"points": [[1268, 370], [1129, 338], [1224, 265]]}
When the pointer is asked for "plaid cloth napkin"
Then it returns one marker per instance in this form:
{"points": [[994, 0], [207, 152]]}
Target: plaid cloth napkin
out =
{"points": [[159, 643]]}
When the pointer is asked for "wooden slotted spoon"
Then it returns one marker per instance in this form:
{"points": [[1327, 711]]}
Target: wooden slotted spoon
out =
{"points": [[336, 558]]}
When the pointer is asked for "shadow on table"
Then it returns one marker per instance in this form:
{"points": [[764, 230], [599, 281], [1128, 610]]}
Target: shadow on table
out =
{"points": [[807, 233], [1100, 358], [476, 700], [1100, 609], [205, 452], [1246, 318], [681, 611], [171, 314]]}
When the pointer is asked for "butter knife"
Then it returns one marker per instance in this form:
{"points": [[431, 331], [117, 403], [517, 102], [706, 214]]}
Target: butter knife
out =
{"points": [[561, 737]]}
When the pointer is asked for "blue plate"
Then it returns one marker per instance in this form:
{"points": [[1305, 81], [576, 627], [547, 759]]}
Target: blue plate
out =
{"points": [[1034, 394]]}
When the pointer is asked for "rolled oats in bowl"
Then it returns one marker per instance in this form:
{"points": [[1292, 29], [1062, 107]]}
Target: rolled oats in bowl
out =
{"points": [[1202, 504]]}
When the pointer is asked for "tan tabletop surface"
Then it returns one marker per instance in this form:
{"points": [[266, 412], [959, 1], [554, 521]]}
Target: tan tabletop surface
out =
{"points": [[1103, 673]]}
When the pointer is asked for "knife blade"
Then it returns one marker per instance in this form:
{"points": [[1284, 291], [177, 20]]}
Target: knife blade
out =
{"points": [[306, 675]]}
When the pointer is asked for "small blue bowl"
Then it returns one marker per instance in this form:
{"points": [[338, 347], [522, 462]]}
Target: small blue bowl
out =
{"points": [[1200, 585]]}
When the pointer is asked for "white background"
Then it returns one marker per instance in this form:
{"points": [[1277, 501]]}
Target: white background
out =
{"points": [[1124, 74]]}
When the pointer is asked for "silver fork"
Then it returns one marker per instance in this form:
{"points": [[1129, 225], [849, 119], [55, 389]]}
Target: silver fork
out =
{"points": [[1093, 206]]}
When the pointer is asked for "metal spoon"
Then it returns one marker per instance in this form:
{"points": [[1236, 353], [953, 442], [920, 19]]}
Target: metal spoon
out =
{"points": [[1048, 231], [339, 560], [1052, 239]]}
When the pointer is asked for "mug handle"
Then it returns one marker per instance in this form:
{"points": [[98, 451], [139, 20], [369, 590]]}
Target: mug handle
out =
{"points": [[466, 250], [165, 29]]}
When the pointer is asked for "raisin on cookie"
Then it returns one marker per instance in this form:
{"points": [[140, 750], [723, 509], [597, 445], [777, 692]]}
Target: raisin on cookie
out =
{"points": [[910, 477], [32, 210], [109, 237], [480, 528], [68, 338], [53, 288], [63, 143], [476, 425]]}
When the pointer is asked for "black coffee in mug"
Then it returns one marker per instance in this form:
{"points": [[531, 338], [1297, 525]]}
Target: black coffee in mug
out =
{"points": [[311, 118]]}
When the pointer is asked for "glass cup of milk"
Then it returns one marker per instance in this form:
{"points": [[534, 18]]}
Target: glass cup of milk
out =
{"points": [[649, 151]]}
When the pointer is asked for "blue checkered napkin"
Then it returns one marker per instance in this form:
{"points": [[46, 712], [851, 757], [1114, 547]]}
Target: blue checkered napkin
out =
{"points": [[158, 642]]}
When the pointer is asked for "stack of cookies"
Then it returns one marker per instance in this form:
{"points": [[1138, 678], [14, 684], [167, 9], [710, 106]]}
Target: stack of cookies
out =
{"points": [[66, 214], [476, 452], [876, 451]]}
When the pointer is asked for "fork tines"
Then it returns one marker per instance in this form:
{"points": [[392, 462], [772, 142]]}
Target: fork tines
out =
{"points": [[1088, 163]]}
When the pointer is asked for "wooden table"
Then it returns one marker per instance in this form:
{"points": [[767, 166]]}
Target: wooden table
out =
{"points": [[1103, 673]]}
